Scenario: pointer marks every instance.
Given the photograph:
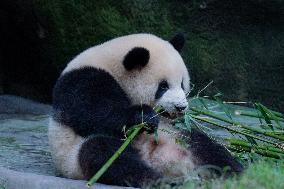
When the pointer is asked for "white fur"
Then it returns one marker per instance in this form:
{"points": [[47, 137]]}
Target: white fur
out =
{"points": [[172, 98], [169, 157], [65, 146]]}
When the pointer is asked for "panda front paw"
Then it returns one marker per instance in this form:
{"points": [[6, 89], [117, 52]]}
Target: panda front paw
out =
{"points": [[143, 114], [152, 122]]}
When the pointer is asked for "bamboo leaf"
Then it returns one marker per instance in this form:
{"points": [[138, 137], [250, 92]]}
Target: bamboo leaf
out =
{"points": [[203, 103], [221, 104], [251, 140], [271, 115], [264, 114]]}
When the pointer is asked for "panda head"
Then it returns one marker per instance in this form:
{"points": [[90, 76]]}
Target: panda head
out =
{"points": [[155, 74], [149, 69]]}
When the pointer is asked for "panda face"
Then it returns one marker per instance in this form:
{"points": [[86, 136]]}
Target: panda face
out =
{"points": [[172, 89], [171, 96], [155, 74]]}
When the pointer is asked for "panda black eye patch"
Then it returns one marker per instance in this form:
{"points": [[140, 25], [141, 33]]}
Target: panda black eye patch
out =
{"points": [[162, 88]]}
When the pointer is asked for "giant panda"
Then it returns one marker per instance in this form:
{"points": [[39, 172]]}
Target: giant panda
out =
{"points": [[116, 85]]}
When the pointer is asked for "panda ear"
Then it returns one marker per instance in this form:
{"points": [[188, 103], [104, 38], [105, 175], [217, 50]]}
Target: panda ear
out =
{"points": [[178, 41], [136, 58]]}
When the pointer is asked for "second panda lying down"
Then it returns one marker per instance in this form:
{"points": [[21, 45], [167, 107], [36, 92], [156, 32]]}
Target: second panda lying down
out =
{"points": [[107, 87]]}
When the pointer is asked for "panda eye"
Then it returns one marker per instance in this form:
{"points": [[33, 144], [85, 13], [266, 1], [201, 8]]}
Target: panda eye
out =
{"points": [[162, 89], [164, 85], [182, 85]]}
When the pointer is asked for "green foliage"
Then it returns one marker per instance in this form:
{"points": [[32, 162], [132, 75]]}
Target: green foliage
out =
{"points": [[259, 148], [238, 44], [261, 174]]}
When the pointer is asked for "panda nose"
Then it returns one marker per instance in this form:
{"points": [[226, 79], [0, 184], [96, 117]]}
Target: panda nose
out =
{"points": [[180, 108]]}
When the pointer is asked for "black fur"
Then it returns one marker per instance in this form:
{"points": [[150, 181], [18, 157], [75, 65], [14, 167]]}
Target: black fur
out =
{"points": [[136, 58], [207, 152], [90, 101], [149, 117], [162, 88], [93, 104], [178, 41], [127, 169]]}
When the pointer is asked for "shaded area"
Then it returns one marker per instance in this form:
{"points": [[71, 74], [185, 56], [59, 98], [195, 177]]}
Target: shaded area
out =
{"points": [[238, 44], [25, 66]]}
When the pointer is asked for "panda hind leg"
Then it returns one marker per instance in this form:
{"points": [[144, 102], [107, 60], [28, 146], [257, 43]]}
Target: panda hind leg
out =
{"points": [[205, 151], [127, 170]]}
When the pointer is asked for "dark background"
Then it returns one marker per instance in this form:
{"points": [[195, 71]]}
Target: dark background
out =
{"points": [[237, 44]]}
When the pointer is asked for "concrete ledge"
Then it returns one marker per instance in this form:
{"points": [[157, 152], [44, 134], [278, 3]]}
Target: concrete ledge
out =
{"points": [[18, 180]]}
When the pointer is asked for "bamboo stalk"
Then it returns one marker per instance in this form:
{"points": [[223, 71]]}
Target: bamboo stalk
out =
{"points": [[276, 132], [278, 114], [104, 168], [237, 142], [252, 114], [261, 152]]}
